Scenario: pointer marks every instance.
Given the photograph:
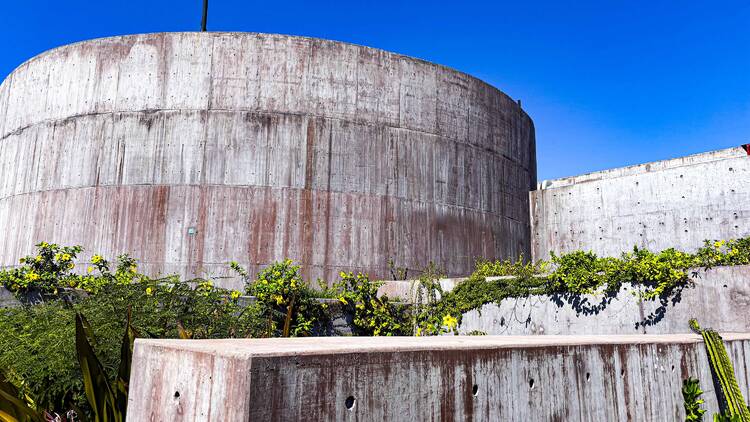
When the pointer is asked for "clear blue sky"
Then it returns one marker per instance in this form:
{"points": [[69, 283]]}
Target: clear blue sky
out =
{"points": [[608, 83]]}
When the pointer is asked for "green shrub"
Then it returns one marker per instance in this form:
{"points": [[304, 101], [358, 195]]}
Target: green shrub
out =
{"points": [[37, 343], [286, 303], [373, 315], [691, 392]]}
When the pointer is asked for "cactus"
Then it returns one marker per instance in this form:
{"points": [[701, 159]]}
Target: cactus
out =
{"points": [[728, 393]]}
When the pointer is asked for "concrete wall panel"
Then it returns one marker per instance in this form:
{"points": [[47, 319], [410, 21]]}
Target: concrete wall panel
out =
{"points": [[675, 203], [268, 146], [543, 378]]}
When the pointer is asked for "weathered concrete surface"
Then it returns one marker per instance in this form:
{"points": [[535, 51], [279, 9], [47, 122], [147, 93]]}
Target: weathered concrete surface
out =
{"points": [[674, 203], [527, 378], [193, 149], [7, 299], [719, 298]]}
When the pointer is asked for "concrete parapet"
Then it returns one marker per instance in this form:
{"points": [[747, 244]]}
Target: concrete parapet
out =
{"points": [[556, 378]]}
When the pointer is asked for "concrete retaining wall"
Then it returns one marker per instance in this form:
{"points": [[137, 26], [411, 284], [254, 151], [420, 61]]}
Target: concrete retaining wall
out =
{"points": [[193, 149], [674, 203], [719, 298], [532, 378]]}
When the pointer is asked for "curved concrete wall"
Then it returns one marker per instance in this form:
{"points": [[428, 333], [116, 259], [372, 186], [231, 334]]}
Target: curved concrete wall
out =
{"points": [[192, 149]]}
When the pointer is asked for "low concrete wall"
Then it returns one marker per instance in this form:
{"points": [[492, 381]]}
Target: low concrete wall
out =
{"points": [[531, 378], [719, 298], [7, 299], [673, 203]]}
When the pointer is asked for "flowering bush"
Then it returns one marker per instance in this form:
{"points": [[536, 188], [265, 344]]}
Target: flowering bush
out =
{"points": [[373, 315], [724, 252], [287, 304], [48, 270]]}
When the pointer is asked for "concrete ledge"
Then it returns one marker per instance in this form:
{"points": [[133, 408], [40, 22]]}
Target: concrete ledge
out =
{"points": [[560, 378], [719, 298]]}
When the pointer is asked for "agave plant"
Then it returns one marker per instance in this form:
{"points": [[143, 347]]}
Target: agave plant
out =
{"points": [[108, 399], [13, 409]]}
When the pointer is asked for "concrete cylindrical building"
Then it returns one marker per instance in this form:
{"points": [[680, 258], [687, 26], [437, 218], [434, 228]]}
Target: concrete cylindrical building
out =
{"points": [[189, 150]]}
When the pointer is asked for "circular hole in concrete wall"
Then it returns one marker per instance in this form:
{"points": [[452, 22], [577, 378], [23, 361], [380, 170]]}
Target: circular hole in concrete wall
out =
{"points": [[622, 373], [350, 402], [475, 390], [531, 384], [672, 368], [177, 394], [588, 377]]}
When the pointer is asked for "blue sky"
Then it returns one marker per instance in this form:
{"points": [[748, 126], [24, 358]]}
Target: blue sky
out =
{"points": [[608, 83]]}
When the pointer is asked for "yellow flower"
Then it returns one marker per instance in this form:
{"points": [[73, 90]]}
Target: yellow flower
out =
{"points": [[65, 257], [342, 274], [235, 294], [450, 321], [133, 268], [96, 259], [90, 269], [149, 291], [279, 299], [57, 256], [71, 265], [38, 258], [32, 276]]}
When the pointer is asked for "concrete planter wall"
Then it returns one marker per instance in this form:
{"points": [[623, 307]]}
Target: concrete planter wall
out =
{"points": [[500, 378], [719, 299]]}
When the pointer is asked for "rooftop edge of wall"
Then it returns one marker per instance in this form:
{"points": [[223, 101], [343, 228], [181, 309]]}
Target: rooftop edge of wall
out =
{"points": [[688, 160], [449, 69]]}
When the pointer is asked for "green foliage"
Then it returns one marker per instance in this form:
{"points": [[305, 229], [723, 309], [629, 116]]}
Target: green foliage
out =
{"points": [[567, 278], [13, 408], [691, 392], [425, 294], [724, 252], [492, 282], [108, 400], [728, 393], [723, 417], [373, 315], [286, 302], [49, 270], [37, 343]]}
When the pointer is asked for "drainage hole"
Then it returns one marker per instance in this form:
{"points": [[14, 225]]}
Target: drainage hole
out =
{"points": [[177, 394], [350, 402], [531, 384], [588, 377], [475, 390]]}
